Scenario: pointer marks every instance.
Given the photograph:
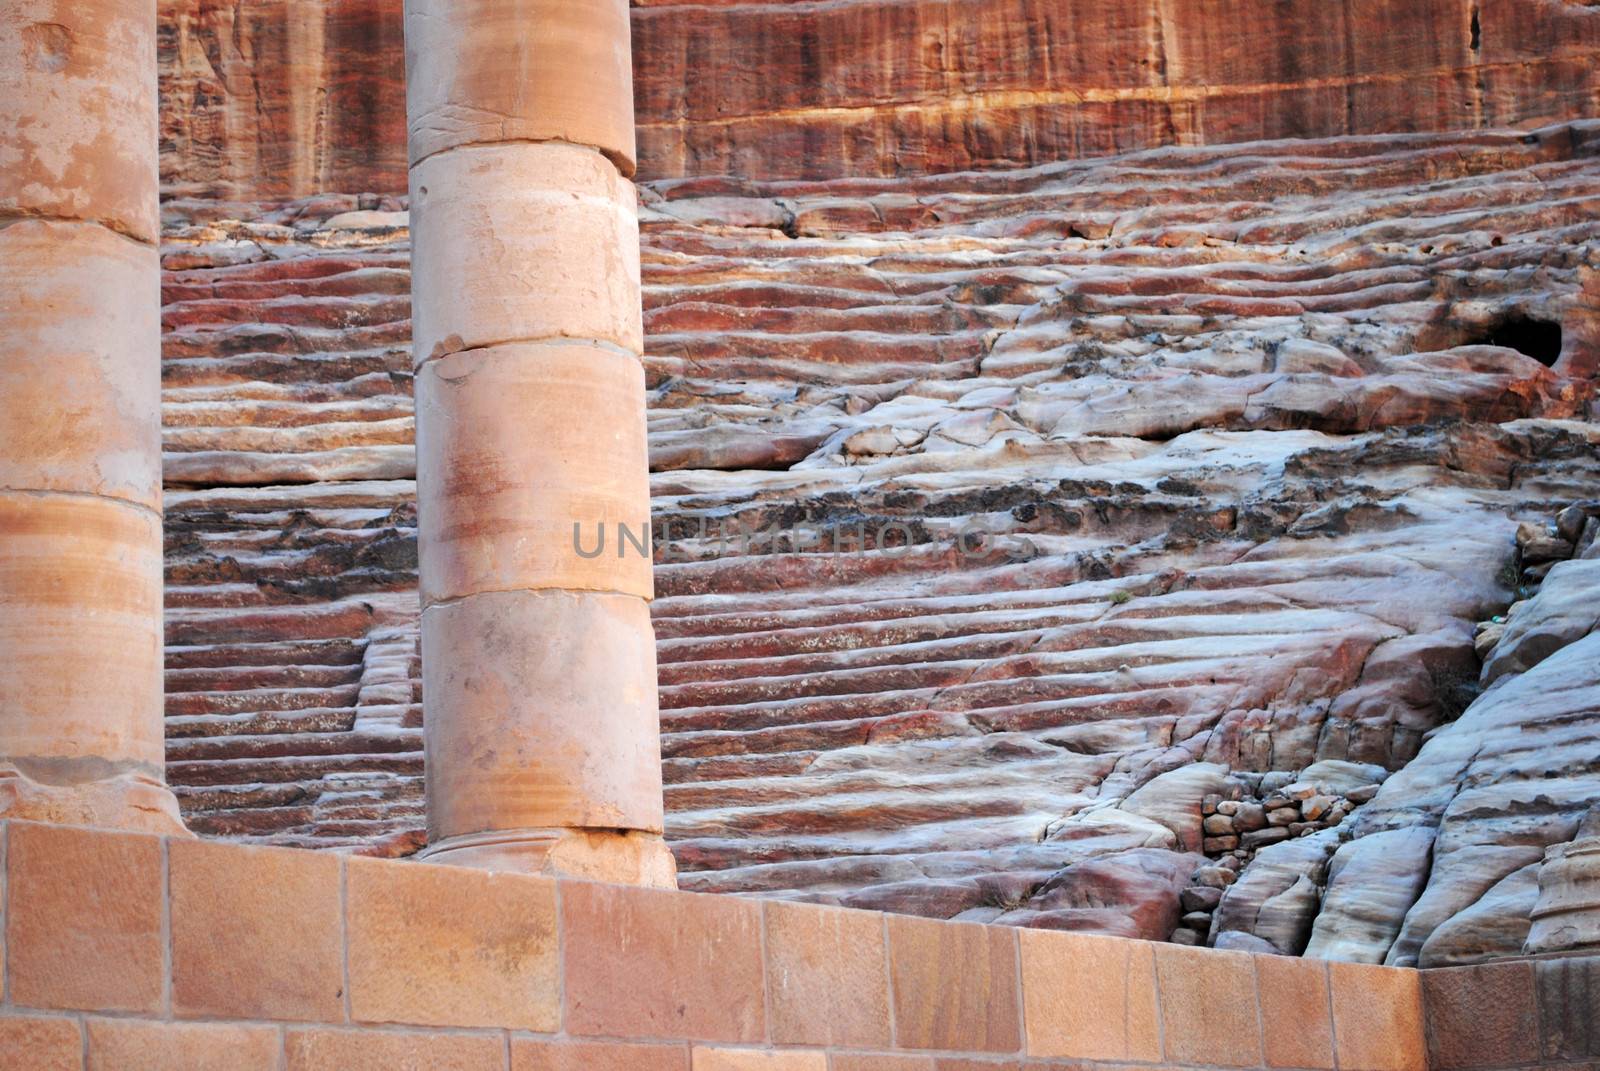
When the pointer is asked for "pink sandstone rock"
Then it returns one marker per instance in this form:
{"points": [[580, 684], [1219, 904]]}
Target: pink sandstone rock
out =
{"points": [[291, 100], [1202, 538]]}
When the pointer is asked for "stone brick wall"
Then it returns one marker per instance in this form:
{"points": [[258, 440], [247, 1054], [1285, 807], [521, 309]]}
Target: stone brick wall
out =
{"points": [[1534, 1013], [130, 952]]}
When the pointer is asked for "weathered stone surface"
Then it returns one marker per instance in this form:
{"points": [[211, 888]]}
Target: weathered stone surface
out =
{"points": [[1272, 586], [954, 987], [530, 1055], [508, 727], [1173, 799], [1198, 1027], [1569, 1007], [80, 580], [1371, 884], [522, 487], [1377, 1018], [706, 1058], [1495, 925], [1296, 1024], [1566, 915], [272, 949], [1492, 791], [367, 1050], [1565, 611], [78, 362], [436, 946], [78, 134], [640, 961], [275, 100], [1277, 896], [827, 979], [1089, 998], [526, 243], [485, 72], [41, 1043], [880, 1062], [830, 90], [133, 1045], [84, 920], [1482, 1016]]}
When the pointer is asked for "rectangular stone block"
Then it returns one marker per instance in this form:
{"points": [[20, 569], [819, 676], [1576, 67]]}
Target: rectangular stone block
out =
{"points": [[527, 1055], [84, 919], [80, 580], [1569, 1007], [80, 362], [387, 1050], [827, 983], [141, 1045], [521, 242], [1481, 1016], [558, 729], [479, 71], [954, 985], [79, 140], [5, 835], [1296, 1027], [712, 1059], [645, 963], [39, 1043], [1208, 1007], [257, 933], [878, 1061], [529, 458], [449, 946], [1377, 1018], [1087, 997]]}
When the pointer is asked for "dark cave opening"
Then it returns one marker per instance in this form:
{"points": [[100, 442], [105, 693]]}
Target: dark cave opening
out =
{"points": [[1539, 339]]}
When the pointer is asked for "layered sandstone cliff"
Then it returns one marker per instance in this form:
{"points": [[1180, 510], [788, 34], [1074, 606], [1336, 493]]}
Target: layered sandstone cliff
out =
{"points": [[1210, 464], [289, 98]]}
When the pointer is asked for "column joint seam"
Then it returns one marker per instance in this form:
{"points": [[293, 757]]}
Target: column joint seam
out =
{"points": [[534, 340], [43, 492], [9, 217], [453, 600], [608, 155]]}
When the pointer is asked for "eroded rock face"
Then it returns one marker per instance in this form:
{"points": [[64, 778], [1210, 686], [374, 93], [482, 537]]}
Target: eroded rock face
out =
{"points": [[275, 98], [1209, 462], [1489, 809]]}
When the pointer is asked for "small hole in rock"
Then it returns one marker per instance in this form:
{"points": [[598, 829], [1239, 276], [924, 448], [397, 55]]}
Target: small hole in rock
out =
{"points": [[47, 46], [1539, 339]]}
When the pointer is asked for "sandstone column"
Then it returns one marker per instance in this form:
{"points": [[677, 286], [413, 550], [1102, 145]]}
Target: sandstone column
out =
{"points": [[539, 681], [80, 426]]}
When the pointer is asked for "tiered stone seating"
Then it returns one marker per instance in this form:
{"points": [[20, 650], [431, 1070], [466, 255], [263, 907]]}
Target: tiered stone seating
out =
{"points": [[1208, 461]]}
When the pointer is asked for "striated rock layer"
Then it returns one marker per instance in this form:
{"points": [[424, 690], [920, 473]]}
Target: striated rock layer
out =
{"points": [[1079, 494], [288, 98], [1475, 813]]}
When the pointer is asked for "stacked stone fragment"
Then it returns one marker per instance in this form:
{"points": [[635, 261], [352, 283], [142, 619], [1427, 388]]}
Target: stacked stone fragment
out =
{"points": [[1258, 810]]}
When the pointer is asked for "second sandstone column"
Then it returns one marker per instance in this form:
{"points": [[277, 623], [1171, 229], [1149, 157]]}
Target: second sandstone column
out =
{"points": [[539, 684]]}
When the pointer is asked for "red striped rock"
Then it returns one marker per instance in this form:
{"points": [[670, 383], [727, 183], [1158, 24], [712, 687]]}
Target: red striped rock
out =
{"points": [[1202, 457]]}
